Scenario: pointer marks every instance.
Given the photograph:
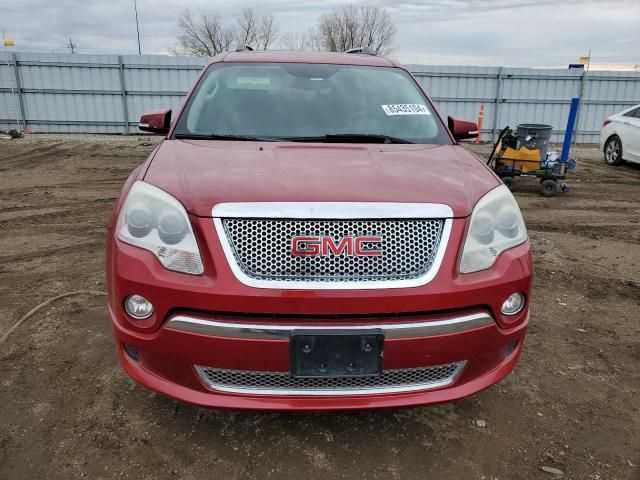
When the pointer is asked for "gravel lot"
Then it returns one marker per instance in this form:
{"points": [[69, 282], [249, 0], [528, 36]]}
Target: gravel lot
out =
{"points": [[67, 410]]}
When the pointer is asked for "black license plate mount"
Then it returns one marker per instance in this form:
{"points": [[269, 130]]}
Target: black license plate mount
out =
{"points": [[336, 354]]}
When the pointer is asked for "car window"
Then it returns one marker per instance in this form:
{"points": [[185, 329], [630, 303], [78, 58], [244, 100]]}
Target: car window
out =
{"points": [[633, 113], [289, 101]]}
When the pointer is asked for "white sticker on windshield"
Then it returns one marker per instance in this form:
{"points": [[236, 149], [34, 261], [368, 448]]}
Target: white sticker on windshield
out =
{"points": [[254, 81], [405, 109]]}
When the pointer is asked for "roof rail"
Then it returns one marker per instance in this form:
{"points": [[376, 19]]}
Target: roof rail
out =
{"points": [[244, 48], [365, 50]]}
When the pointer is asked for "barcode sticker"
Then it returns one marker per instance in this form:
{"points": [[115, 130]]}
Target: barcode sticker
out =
{"points": [[405, 109]]}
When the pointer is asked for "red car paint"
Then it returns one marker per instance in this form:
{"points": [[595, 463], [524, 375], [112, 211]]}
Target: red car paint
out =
{"points": [[241, 172], [204, 173]]}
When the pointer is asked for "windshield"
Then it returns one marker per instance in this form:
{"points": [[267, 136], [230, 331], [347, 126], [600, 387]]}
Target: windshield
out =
{"points": [[310, 102]]}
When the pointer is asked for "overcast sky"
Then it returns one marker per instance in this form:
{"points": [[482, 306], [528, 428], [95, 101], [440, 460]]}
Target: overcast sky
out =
{"points": [[526, 33]]}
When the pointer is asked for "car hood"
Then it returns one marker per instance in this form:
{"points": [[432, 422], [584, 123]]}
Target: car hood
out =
{"points": [[203, 173]]}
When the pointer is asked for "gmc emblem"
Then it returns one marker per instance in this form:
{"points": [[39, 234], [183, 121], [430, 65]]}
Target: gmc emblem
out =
{"points": [[323, 246]]}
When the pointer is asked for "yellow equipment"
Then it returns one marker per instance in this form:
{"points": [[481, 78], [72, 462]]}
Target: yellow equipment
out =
{"points": [[524, 159]]}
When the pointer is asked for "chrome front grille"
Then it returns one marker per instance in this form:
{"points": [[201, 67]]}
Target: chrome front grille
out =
{"points": [[282, 383], [262, 249]]}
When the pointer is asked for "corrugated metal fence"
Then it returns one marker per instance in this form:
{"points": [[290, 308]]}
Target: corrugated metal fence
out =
{"points": [[108, 93]]}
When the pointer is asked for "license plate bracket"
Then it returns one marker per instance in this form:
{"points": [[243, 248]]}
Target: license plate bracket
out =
{"points": [[331, 354]]}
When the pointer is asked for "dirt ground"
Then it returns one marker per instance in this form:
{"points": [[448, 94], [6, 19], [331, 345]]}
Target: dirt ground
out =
{"points": [[67, 410]]}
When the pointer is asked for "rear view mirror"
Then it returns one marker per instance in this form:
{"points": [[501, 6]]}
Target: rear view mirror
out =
{"points": [[462, 129], [157, 122]]}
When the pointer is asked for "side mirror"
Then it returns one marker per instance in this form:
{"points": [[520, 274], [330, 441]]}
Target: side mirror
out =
{"points": [[157, 122], [462, 129]]}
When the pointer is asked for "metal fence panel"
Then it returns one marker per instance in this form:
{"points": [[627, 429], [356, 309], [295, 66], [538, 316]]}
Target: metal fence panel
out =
{"points": [[108, 93]]}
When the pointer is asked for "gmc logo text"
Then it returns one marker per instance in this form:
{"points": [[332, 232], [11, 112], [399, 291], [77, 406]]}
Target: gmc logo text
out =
{"points": [[323, 246]]}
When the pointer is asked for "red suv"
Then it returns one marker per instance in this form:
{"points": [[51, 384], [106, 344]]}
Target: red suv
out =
{"points": [[310, 235]]}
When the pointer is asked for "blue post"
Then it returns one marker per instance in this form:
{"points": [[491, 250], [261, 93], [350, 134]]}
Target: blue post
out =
{"points": [[568, 134]]}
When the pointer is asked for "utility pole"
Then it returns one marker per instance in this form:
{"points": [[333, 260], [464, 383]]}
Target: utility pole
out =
{"points": [[71, 46], [583, 88], [135, 7], [10, 42]]}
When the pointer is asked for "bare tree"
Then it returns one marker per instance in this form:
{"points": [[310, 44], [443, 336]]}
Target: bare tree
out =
{"points": [[300, 41], [208, 35], [258, 31], [247, 30], [344, 28], [203, 36], [356, 26], [267, 32]]}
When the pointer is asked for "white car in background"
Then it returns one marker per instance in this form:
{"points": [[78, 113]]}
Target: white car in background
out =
{"points": [[620, 137]]}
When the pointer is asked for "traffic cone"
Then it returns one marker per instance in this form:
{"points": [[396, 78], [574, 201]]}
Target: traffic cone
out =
{"points": [[480, 117]]}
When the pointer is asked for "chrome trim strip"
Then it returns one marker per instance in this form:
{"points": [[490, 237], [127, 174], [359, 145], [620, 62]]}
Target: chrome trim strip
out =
{"points": [[320, 285], [280, 332], [331, 210], [415, 387]]}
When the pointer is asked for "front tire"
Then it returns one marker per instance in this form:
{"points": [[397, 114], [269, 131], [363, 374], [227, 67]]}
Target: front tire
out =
{"points": [[510, 182], [549, 187], [613, 151]]}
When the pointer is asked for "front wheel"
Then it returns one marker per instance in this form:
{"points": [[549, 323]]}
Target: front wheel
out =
{"points": [[613, 151], [549, 187], [510, 182]]}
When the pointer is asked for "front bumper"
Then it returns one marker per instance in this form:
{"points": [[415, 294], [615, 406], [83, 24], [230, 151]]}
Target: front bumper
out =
{"points": [[166, 362], [167, 355]]}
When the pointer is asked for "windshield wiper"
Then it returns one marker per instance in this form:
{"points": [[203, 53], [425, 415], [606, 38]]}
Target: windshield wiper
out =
{"points": [[328, 138], [350, 138], [213, 136]]}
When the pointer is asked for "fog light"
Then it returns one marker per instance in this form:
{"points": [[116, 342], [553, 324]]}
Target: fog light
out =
{"points": [[138, 307], [513, 304]]}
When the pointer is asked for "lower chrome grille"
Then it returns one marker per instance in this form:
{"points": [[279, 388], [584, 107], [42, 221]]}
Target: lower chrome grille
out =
{"points": [[282, 383]]}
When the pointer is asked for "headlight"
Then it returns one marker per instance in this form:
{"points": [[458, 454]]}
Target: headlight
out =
{"points": [[152, 219], [496, 225]]}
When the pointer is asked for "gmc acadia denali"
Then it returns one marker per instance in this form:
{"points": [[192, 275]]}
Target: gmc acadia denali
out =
{"points": [[310, 235]]}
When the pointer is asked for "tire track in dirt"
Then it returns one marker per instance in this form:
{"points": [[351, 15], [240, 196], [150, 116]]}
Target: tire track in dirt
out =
{"points": [[593, 231]]}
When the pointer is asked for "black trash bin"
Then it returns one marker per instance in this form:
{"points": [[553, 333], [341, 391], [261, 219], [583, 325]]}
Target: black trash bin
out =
{"points": [[534, 136]]}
